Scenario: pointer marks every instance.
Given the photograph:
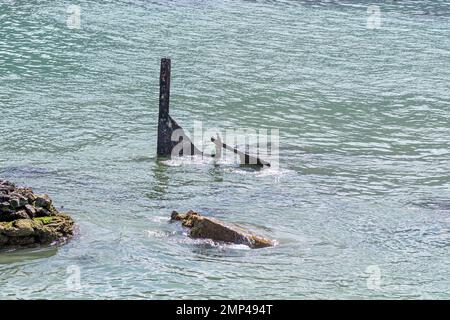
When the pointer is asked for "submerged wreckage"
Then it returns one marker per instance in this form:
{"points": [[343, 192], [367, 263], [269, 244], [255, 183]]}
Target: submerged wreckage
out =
{"points": [[172, 140], [27, 219]]}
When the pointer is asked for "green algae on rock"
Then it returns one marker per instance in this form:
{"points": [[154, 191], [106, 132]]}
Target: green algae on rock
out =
{"points": [[28, 219], [210, 228]]}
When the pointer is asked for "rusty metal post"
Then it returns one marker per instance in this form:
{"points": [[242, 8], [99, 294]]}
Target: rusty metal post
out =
{"points": [[164, 146]]}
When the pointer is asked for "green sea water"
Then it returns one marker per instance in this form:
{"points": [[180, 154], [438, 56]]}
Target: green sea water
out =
{"points": [[360, 204]]}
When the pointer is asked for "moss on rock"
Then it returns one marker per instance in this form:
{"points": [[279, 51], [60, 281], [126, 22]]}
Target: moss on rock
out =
{"points": [[29, 219]]}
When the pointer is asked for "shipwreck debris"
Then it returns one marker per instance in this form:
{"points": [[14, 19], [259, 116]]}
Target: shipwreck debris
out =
{"points": [[245, 158], [170, 134], [172, 139]]}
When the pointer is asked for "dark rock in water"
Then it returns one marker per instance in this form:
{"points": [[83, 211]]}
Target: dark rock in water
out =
{"points": [[17, 201], [6, 188], [43, 202], [41, 212], [210, 228], [29, 219], [4, 206], [30, 210], [4, 197], [20, 214]]}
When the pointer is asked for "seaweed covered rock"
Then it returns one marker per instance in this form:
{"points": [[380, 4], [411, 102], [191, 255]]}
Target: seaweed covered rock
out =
{"points": [[29, 219], [210, 228]]}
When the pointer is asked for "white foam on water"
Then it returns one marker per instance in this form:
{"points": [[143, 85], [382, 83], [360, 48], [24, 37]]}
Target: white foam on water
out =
{"points": [[229, 165], [236, 246], [157, 234], [190, 160], [263, 172], [159, 219]]}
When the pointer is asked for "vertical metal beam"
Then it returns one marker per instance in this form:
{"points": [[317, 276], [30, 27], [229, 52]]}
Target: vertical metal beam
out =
{"points": [[164, 147], [168, 128]]}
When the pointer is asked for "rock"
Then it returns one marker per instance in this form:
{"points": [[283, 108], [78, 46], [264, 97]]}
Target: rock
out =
{"points": [[28, 219], [21, 241], [19, 198], [6, 188], [6, 215], [21, 214], [4, 206], [210, 228], [55, 228], [20, 228], [3, 239], [31, 197], [30, 210], [22, 201], [41, 212], [43, 201], [11, 215], [14, 202], [4, 197]]}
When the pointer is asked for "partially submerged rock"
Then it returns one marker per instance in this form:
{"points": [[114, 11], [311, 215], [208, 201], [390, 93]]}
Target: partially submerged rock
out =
{"points": [[30, 219], [210, 228]]}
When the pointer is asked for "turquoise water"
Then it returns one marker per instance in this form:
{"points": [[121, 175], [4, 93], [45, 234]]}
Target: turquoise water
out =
{"points": [[363, 187]]}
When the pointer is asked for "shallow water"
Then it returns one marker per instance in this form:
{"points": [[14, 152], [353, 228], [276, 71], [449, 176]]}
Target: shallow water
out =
{"points": [[363, 184]]}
